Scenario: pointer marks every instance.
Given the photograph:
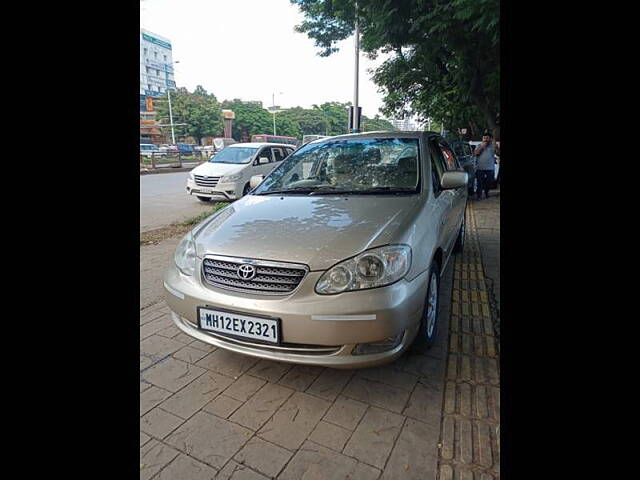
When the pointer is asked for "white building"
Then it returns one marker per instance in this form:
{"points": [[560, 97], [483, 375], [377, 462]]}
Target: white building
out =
{"points": [[156, 64]]}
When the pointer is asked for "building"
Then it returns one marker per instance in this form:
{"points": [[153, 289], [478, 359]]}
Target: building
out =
{"points": [[156, 65]]}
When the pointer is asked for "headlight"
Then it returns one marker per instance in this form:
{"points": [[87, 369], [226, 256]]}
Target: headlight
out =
{"points": [[374, 268], [231, 178], [185, 256]]}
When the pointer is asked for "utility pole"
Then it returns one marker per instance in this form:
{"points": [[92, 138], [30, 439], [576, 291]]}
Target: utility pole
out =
{"points": [[166, 73], [356, 117]]}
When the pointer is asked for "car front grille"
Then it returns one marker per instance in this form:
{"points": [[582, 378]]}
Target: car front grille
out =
{"points": [[271, 278], [204, 181]]}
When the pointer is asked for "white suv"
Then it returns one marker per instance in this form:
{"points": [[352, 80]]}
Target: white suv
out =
{"points": [[226, 175]]}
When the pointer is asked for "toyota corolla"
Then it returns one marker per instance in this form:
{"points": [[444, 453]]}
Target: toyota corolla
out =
{"points": [[333, 259]]}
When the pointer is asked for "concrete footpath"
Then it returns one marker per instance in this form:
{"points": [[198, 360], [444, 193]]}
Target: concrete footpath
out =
{"points": [[206, 413]]}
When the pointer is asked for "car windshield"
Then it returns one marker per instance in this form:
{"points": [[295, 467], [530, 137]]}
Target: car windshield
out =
{"points": [[356, 166], [234, 155]]}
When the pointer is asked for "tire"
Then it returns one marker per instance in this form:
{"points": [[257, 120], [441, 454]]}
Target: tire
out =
{"points": [[459, 245], [429, 323], [246, 189], [204, 199]]}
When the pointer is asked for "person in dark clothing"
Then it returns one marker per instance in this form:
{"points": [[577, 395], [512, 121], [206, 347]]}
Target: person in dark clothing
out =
{"points": [[485, 169]]}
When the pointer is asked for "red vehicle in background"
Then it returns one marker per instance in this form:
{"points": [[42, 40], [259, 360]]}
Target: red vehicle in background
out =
{"points": [[260, 138]]}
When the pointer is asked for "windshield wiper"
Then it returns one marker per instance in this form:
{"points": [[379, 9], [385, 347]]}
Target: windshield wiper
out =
{"points": [[303, 190], [367, 191]]}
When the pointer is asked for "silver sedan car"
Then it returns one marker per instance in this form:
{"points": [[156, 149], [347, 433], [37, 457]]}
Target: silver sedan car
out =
{"points": [[333, 259]]}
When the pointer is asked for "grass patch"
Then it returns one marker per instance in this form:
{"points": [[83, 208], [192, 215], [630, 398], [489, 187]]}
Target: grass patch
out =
{"points": [[153, 237]]}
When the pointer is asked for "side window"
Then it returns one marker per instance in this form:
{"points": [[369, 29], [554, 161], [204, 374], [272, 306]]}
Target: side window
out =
{"points": [[468, 151], [459, 150], [278, 155], [288, 151], [451, 162], [437, 166], [265, 152]]}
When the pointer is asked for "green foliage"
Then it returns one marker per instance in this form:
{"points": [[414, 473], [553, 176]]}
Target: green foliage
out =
{"points": [[199, 110], [445, 60], [375, 124]]}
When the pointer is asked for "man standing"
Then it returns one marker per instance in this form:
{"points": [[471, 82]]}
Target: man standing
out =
{"points": [[486, 164]]}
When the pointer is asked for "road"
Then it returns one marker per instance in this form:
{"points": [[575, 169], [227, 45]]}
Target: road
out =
{"points": [[164, 200]]}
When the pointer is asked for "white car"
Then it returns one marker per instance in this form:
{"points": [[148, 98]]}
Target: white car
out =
{"points": [[226, 175]]}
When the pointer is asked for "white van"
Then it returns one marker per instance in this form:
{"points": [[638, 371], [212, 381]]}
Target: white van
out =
{"points": [[226, 175]]}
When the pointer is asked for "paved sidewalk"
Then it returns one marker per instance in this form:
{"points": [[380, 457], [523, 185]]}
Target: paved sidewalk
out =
{"points": [[469, 445], [207, 413]]}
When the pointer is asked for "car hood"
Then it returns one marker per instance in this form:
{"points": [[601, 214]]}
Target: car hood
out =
{"points": [[316, 231], [217, 169]]}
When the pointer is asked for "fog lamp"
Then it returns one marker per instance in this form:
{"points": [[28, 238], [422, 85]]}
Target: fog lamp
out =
{"points": [[388, 343]]}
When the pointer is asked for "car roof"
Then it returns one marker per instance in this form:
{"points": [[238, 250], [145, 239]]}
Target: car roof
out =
{"points": [[378, 134], [260, 144]]}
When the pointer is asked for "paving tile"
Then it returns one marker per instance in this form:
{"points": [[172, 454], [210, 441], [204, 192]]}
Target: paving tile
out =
{"points": [[330, 436], [197, 394], [155, 326], [245, 473], [315, 462], [159, 423], [209, 439], [153, 457], [346, 412], [295, 420], [187, 468], [244, 387], [301, 377], [144, 438], [144, 386], [263, 456], [170, 332], [205, 347], [152, 397], [389, 375], [159, 346], [222, 406], [257, 410], [189, 354], [415, 454], [425, 404], [330, 383], [227, 363], [172, 374], [375, 393], [269, 370], [375, 436]]}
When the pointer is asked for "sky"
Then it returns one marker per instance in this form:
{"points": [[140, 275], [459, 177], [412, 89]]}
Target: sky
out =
{"points": [[248, 49]]}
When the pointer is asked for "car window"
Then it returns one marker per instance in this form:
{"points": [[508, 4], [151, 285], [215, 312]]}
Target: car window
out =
{"points": [[451, 162], [266, 152], [468, 151], [278, 154], [289, 151], [458, 148]]}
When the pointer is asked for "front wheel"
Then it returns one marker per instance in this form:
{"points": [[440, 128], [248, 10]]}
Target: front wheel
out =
{"points": [[429, 323], [204, 199]]}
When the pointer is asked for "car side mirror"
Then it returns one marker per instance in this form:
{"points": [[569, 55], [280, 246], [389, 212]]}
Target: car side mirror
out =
{"points": [[255, 181], [263, 160], [453, 180]]}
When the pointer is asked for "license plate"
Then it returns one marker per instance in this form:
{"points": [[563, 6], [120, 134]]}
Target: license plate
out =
{"points": [[239, 325], [205, 190]]}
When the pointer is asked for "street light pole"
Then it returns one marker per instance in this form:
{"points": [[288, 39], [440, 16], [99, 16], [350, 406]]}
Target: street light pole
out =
{"points": [[356, 117], [273, 110]]}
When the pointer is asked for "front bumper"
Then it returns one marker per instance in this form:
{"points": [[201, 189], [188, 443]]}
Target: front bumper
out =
{"points": [[222, 191], [316, 329]]}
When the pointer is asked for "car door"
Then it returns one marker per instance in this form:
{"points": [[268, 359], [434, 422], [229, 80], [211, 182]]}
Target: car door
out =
{"points": [[446, 198], [265, 168], [459, 195]]}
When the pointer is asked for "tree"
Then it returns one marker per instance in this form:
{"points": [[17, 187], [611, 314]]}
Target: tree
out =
{"points": [[445, 61], [337, 117], [199, 110], [375, 124]]}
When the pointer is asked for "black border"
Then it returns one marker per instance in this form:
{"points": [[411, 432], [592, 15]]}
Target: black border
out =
{"points": [[237, 337]]}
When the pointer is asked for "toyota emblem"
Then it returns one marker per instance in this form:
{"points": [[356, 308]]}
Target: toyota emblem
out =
{"points": [[246, 271]]}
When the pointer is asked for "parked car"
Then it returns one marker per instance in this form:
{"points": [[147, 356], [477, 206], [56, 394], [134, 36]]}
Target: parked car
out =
{"points": [[334, 259], [149, 149], [226, 175], [464, 154], [185, 149]]}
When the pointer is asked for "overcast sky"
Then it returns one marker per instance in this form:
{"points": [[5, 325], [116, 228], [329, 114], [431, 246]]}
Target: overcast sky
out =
{"points": [[248, 49]]}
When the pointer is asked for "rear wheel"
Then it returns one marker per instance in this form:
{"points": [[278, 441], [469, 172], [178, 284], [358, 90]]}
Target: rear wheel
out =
{"points": [[204, 199], [459, 245]]}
